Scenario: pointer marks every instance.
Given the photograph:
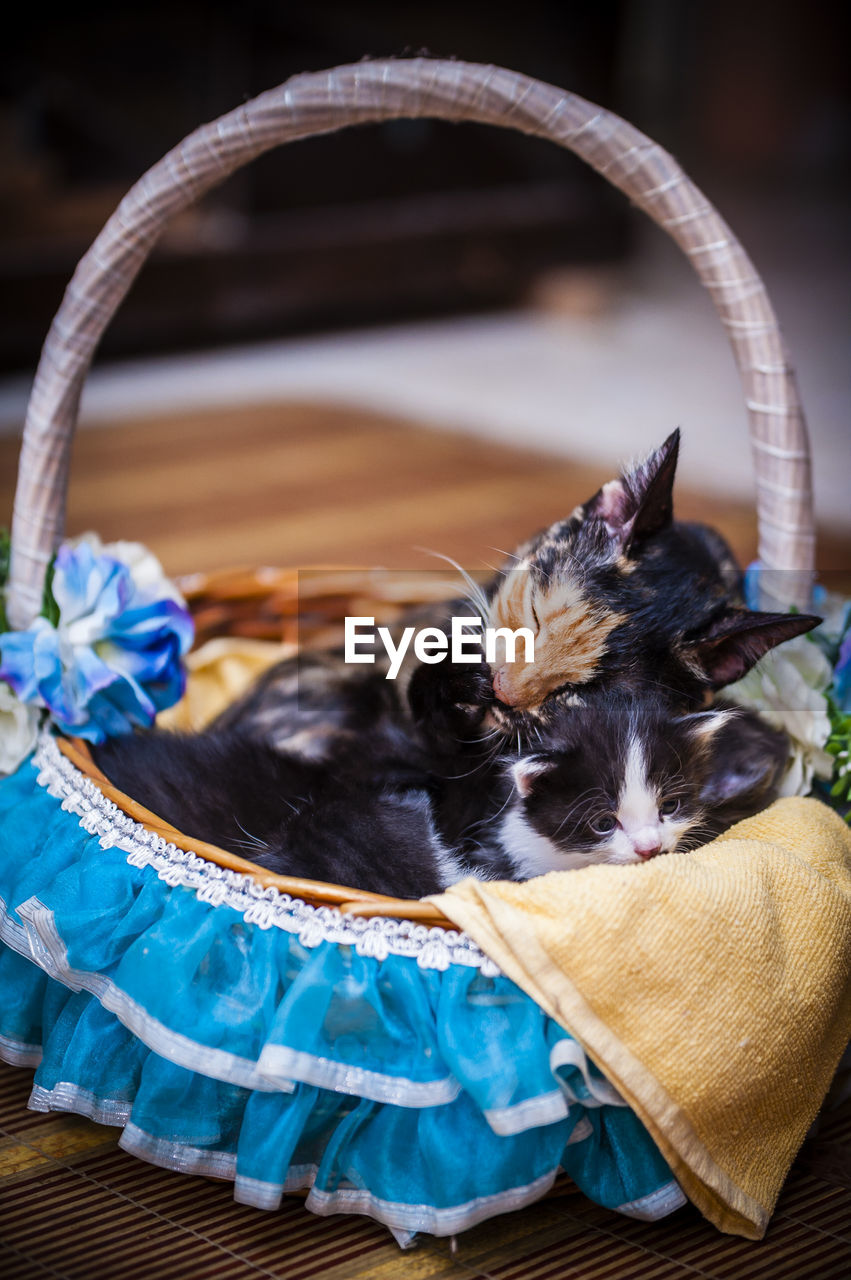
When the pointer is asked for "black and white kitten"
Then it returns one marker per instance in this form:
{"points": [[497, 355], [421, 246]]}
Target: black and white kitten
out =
{"points": [[623, 780], [619, 780]]}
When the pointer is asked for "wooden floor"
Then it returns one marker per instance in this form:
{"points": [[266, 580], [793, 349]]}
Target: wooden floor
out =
{"points": [[308, 484], [299, 485]]}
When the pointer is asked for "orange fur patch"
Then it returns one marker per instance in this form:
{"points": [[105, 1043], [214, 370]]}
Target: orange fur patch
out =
{"points": [[571, 634]]}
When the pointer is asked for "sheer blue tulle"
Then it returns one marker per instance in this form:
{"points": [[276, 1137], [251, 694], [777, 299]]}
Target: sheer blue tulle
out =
{"points": [[266, 1050]]}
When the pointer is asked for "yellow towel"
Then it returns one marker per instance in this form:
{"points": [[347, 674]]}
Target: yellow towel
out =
{"points": [[713, 989]]}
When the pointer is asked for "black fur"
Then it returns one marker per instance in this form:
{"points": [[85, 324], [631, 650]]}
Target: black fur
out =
{"points": [[362, 826], [585, 759], [685, 631], [334, 773], [388, 825], [748, 760]]}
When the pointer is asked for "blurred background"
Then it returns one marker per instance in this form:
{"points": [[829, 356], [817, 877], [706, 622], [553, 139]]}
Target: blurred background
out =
{"points": [[421, 333]]}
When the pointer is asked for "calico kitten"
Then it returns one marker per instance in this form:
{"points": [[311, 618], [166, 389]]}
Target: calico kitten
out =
{"points": [[368, 825], [622, 780], [620, 588], [617, 592]]}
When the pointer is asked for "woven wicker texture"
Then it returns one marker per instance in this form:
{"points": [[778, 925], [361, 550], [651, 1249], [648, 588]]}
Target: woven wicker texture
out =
{"points": [[317, 103]]}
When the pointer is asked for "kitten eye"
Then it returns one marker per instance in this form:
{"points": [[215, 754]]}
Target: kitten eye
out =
{"points": [[535, 616], [668, 807], [604, 825]]}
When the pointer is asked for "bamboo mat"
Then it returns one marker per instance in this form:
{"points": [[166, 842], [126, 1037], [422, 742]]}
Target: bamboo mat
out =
{"points": [[75, 1207], [303, 484]]}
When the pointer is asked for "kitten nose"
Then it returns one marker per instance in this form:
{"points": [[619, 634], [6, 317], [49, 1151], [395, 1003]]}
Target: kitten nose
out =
{"points": [[647, 843], [500, 687]]}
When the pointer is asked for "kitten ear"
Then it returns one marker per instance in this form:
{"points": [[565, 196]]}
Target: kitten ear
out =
{"points": [[640, 502], [749, 764], [738, 639], [738, 778], [525, 770], [703, 725]]}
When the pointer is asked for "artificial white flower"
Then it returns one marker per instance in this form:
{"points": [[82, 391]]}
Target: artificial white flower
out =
{"points": [[835, 611], [788, 687], [18, 729]]}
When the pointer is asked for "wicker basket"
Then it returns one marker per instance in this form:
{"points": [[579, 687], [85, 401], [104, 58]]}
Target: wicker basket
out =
{"points": [[266, 602]]}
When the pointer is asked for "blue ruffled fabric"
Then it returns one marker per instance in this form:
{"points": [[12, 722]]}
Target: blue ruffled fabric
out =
{"points": [[427, 1097]]}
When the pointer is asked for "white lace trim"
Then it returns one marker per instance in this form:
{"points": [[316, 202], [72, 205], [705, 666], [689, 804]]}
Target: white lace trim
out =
{"points": [[658, 1204], [278, 1062], [425, 1217], [72, 1097], [531, 1113], [18, 1053], [377, 937]]}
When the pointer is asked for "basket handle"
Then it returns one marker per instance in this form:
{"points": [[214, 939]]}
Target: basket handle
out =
{"points": [[321, 102]]}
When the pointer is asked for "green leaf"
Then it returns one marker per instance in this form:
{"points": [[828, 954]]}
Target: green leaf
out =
{"points": [[49, 607]]}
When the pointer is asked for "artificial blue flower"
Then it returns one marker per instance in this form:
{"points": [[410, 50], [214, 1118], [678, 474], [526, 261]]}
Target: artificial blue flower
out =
{"points": [[114, 658], [752, 585]]}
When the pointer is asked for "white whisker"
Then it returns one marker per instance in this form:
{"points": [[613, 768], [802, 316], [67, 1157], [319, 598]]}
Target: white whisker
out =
{"points": [[253, 841], [477, 597]]}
